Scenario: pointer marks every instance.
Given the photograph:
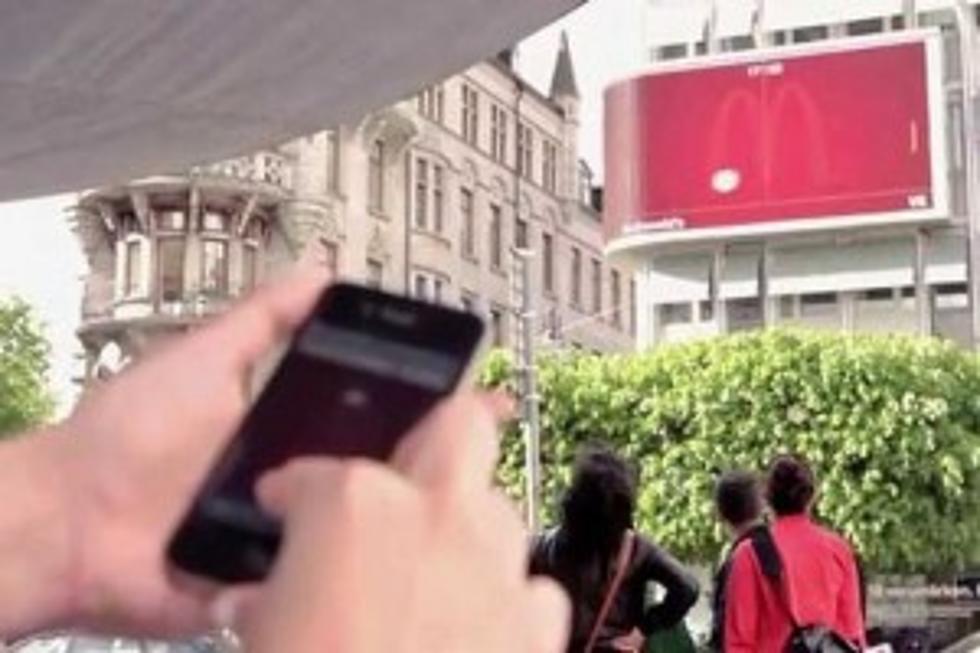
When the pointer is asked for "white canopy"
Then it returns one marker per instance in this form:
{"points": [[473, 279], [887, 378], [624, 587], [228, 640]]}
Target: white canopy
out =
{"points": [[100, 91]]}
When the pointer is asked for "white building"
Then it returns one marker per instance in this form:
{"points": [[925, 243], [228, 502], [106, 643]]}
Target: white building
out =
{"points": [[426, 197], [869, 275]]}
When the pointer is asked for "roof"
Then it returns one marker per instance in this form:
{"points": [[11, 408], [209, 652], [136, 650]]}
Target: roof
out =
{"points": [[563, 80]]}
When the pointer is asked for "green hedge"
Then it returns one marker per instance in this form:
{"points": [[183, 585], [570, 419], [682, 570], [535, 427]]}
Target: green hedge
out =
{"points": [[890, 423]]}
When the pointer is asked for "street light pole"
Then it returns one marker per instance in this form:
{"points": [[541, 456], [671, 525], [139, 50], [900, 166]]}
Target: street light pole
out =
{"points": [[522, 302]]}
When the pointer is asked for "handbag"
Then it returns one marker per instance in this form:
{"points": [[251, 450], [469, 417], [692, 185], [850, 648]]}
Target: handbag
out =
{"points": [[809, 638], [622, 563], [676, 639]]}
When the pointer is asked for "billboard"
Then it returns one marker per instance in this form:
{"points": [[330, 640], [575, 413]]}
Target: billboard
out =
{"points": [[819, 136]]}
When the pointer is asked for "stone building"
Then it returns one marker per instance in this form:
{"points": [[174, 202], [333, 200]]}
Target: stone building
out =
{"points": [[426, 196]]}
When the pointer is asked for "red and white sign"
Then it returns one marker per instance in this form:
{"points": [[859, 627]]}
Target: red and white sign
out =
{"points": [[822, 136]]}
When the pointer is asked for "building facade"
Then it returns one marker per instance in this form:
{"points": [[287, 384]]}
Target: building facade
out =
{"points": [[891, 275], [426, 197]]}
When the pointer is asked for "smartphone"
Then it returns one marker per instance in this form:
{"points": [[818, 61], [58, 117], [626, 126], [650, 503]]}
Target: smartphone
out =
{"points": [[362, 370]]}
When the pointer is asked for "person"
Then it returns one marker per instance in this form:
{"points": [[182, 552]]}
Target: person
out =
{"points": [[819, 574], [738, 502], [375, 557], [582, 551]]}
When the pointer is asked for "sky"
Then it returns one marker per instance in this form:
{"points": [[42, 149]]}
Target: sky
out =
{"points": [[41, 261]]}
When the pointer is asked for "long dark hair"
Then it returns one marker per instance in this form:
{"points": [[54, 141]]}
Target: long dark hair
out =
{"points": [[598, 506]]}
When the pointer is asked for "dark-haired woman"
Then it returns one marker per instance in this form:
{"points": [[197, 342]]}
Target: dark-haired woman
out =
{"points": [[583, 554], [819, 582]]}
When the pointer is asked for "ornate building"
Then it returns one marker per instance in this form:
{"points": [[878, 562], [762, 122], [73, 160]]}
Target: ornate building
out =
{"points": [[427, 197]]}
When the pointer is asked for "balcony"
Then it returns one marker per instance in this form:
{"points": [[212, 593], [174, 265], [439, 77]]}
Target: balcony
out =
{"points": [[265, 167]]}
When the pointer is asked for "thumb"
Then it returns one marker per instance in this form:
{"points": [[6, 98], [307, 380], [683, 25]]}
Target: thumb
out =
{"points": [[280, 490]]}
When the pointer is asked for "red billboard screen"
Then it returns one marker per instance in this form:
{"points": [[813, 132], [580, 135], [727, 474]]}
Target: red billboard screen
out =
{"points": [[811, 137]]}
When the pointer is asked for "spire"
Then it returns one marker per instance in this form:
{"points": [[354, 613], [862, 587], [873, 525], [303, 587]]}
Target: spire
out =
{"points": [[563, 80]]}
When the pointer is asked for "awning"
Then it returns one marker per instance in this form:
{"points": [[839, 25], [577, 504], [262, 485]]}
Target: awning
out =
{"points": [[946, 259], [840, 268], [101, 91], [740, 275], [680, 278]]}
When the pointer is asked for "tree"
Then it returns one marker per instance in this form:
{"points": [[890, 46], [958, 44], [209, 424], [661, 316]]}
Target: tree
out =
{"points": [[25, 399], [890, 423]]}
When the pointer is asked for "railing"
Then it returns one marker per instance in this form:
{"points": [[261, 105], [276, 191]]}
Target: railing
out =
{"points": [[264, 167]]}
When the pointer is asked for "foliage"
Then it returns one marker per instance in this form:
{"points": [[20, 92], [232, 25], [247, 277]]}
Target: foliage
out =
{"points": [[891, 425], [25, 400]]}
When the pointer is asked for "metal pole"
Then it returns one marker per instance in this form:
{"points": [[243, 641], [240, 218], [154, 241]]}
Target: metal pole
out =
{"points": [[967, 36], [524, 343]]}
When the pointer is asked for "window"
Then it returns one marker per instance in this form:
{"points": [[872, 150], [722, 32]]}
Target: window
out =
{"points": [[668, 52], [215, 222], [171, 220], [437, 286], [438, 195], [787, 307], [132, 282], [497, 327], [471, 115], [548, 262], [496, 237], [421, 287], [525, 151], [865, 26], [329, 257], [706, 310], [617, 299], [675, 314], [333, 161], [596, 286], [576, 277], [521, 237], [375, 274], [549, 176], [431, 103], [585, 178], [214, 267], [469, 231], [878, 294], [170, 269], [498, 133], [376, 164], [468, 302], [818, 303], [421, 194], [250, 267], [808, 34], [128, 224]]}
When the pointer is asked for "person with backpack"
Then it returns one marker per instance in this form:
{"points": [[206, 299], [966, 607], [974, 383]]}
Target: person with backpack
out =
{"points": [[604, 566], [738, 502], [794, 586]]}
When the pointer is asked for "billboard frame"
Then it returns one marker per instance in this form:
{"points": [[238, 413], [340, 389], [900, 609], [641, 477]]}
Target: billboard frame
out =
{"points": [[625, 242]]}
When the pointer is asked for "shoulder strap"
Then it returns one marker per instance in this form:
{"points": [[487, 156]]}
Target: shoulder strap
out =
{"points": [[772, 568], [622, 564]]}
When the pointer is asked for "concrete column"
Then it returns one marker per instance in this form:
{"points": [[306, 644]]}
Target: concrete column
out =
{"points": [[923, 305]]}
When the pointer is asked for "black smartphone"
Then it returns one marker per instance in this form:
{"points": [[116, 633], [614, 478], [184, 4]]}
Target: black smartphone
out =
{"points": [[363, 369]]}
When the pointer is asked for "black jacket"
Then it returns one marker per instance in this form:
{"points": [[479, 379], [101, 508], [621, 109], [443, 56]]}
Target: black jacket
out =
{"points": [[716, 641], [586, 583]]}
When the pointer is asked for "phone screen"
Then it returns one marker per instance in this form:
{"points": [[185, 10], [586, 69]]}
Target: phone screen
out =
{"points": [[362, 371]]}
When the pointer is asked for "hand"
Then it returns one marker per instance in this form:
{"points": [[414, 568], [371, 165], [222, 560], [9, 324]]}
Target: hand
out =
{"points": [[135, 451], [419, 556]]}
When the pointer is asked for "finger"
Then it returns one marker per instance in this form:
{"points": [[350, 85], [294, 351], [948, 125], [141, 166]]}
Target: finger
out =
{"points": [[548, 616], [502, 405], [280, 489], [263, 320], [232, 607], [455, 448]]}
